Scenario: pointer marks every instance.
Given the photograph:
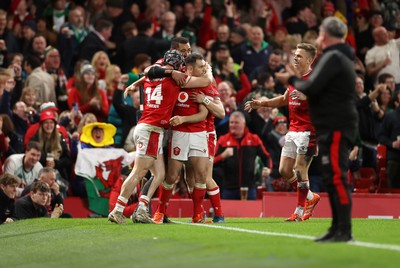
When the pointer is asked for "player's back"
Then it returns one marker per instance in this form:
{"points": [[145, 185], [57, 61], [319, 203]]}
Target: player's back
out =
{"points": [[160, 96]]}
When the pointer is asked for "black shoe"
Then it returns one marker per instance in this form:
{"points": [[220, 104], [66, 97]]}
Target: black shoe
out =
{"points": [[166, 220], [338, 236], [328, 235]]}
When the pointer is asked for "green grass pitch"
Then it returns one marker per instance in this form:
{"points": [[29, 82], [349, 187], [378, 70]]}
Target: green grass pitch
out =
{"points": [[240, 242]]}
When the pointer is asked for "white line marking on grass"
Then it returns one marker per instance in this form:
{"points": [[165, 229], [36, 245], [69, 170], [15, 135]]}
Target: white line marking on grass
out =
{"points": [[307, 237]]}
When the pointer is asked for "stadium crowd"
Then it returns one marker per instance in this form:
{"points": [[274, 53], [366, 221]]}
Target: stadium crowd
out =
{"points": [[64, 65]]}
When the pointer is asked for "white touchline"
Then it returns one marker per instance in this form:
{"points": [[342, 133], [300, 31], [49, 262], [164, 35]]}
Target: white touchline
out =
{"points": [[308, 237]]}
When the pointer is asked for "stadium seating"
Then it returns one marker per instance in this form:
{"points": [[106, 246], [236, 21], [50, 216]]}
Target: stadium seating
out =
{"points": [[366, 182]]}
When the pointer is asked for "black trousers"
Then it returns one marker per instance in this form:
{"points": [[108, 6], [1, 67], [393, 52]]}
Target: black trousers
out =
{"points": [[334, 149]]}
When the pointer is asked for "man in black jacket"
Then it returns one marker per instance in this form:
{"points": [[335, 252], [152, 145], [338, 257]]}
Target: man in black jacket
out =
{"points": [[331, 94], [8, 190]]}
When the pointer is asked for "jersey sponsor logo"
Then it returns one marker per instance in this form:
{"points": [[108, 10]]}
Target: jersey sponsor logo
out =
{"points": [[177, 151], [183, 97]]}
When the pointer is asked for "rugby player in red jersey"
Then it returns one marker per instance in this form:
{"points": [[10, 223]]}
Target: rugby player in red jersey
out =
{"points": [[300, 142]]}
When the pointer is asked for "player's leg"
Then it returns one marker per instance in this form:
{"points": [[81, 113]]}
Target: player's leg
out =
{"points": [[167, 186], [200, 168], [178, 154], [306, 149], [149, 141]]}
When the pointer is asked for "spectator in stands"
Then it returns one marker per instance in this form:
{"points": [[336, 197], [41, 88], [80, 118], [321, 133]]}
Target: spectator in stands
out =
{"points": [[18, 113], [34, 205], [384, 56], [28, 96], [387, 79], [96, 39], [254, 53], [100, 62], [29, 30], [40, 80], [390, 136], [44, 29], [275, 64], [53, 66], [8, 191], [127, 113], [260, 121], [167, 31], [56, 13], [241, 84], [142, 43], [55, 152], [19, 9], [33, 128], [363, 33], [274, 141], [10, 44], [87, 94], [368, 110], [13, 142], [48, 176], [225, 90], [98, 135], [70, 37], [235, 159], [25, 166], [38, 46]]}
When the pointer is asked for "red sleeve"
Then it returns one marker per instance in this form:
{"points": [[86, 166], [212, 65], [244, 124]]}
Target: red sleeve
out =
{"points": [[218, 80], [74, 96], [246, 88]]}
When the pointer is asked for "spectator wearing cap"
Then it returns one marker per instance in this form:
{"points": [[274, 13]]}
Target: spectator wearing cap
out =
{"points": [[10, 44], [97, 39], [32, 130], [55, 152], [70, 37], [87, 95], [40, 80], [52, 64], [19, 9], [328, 9]]}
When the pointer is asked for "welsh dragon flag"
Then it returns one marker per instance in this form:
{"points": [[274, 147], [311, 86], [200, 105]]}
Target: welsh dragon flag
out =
{"points": [[101, 168]]}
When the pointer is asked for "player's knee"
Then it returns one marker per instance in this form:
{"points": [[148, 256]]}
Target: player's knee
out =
{"points": [[286, 173]]}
